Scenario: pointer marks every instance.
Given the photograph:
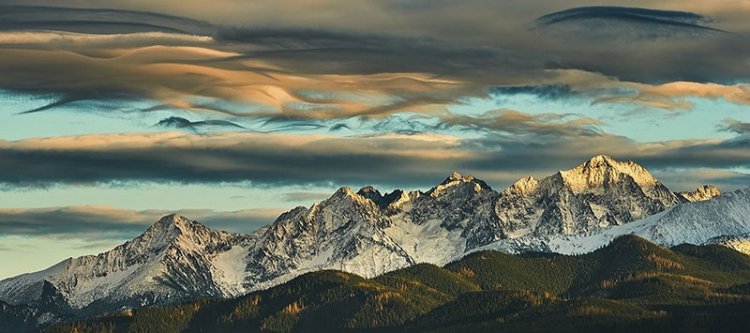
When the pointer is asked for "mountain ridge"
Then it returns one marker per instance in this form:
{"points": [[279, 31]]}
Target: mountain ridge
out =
{"points": [[368, 233], [630, 283]]}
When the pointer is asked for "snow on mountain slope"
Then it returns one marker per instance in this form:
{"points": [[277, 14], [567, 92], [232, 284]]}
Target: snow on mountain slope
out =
{"points": [[343, 231], [713, 221], [599, 193], [369, 233], [174, 259]]}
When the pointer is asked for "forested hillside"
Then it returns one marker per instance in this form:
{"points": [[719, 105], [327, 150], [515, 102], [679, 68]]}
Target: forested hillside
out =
{"points": [[631, 284]]}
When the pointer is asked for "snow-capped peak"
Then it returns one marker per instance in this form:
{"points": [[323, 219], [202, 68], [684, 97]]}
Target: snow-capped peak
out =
{"points": [[175, 229], [601, 169], [162, 233], [368, 233], [596, 194]]}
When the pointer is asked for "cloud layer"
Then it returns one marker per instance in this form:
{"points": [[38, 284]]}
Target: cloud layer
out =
{"points": [[284, 71], [627, 22], [400, 160], [400, 73], [107, 223]]}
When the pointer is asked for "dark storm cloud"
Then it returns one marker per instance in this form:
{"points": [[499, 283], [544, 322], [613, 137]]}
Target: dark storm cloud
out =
{"points": [[106, 223], [329, 76]]}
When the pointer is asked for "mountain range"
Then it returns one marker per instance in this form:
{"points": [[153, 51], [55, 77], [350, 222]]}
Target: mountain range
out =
{"points": [[630, 285], [369, 233]]}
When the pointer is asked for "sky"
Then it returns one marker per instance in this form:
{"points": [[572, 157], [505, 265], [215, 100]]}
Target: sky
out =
{"points": [[114, 113]]}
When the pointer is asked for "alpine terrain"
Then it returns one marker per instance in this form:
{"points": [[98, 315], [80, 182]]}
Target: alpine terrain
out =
{"points": [[369, 233]]}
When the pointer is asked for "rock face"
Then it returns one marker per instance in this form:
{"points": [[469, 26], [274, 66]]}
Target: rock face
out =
{"points": [[369, 233]]}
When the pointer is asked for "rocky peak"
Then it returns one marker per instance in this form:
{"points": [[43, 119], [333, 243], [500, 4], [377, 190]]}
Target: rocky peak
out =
{"points": [[601, 170], [173, 221], [601, 160], [174, 225], [598, 193], [456, 179], [383, 201], [523, 186], [373, 194], [456, 176], [167, 228], [346, 195], [703, 193], [343, 191], [176, 230], [369, 191]]}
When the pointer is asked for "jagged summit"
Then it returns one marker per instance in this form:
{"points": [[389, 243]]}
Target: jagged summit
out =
{"points": [[523, 186], [343, 191], [601, 170], [171, 221], [345, 196], [598, 193], [174, 229], [455, 176], [455, 179], [162, 233], [382, 200], [601, 159], [705, 192], [368, 190]]}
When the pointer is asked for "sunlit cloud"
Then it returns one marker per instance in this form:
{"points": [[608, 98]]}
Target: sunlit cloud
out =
{"points": [[379, 98], [282, 72]]}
